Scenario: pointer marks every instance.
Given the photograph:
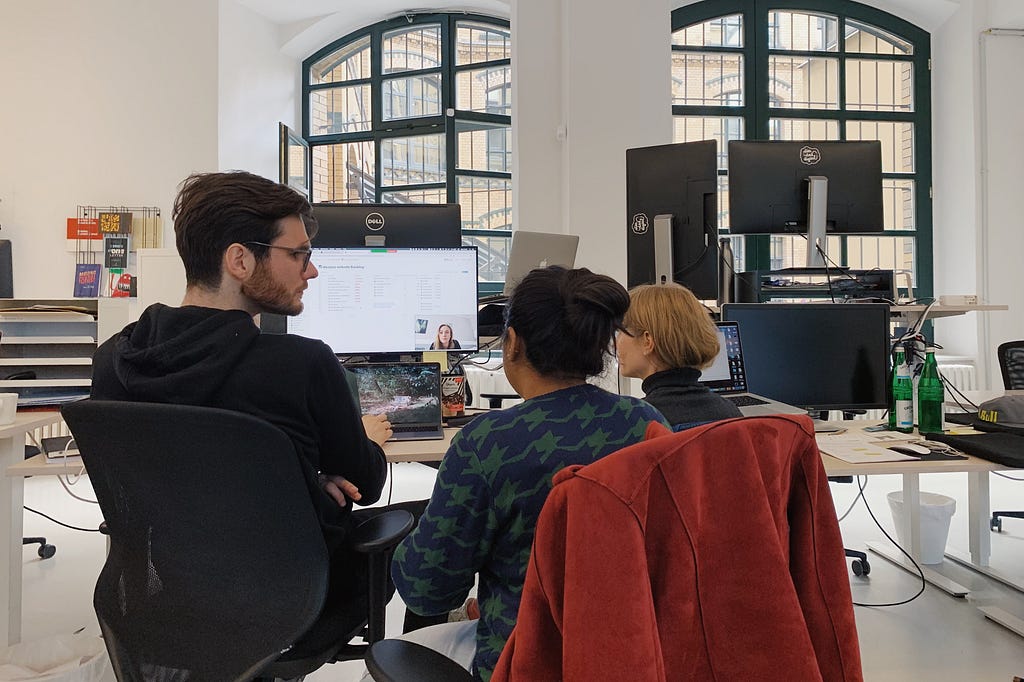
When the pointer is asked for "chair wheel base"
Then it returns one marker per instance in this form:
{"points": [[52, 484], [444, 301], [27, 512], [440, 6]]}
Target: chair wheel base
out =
{"points": [[860, 567]]}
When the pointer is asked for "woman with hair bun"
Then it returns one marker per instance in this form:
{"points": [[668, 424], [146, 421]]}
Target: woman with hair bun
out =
{"points": [[559, 327], [667, 339]]}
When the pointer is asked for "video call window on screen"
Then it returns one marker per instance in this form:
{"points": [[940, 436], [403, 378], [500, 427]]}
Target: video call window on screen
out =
{"points": [[381, 300]]}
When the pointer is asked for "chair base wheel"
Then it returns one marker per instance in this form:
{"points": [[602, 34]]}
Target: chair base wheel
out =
{"points": [[46, 551], [860, 567], [996, 524]]}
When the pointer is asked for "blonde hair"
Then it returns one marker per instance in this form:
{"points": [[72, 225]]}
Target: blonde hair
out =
{"points": [[680, 327]]}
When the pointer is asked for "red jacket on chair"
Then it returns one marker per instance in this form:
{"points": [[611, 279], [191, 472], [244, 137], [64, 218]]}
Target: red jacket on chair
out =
{"points": [[710, 554]]}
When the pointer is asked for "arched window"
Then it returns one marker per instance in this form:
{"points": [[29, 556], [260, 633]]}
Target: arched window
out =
{"points": [[824, 70], [418, 109]]}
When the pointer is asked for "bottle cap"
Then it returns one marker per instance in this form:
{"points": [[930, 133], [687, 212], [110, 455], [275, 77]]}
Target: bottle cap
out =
{"points": [[930, 349]]}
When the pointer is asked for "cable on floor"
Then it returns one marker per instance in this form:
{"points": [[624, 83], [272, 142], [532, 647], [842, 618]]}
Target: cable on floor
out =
{"points": [[859, 496], [920, 572], [61, 523]]}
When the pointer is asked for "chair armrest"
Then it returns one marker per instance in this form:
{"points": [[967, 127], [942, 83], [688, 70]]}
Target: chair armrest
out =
{"points": [[382, 532], [395, 660]]}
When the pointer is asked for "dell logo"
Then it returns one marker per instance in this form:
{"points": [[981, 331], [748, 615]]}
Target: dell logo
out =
{"points": [[375, 221], [809, 156]]}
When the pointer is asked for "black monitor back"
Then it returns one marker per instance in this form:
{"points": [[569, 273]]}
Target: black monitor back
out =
{"points": [[768, 186], [399, 225], [819, 356], [682, 180]]}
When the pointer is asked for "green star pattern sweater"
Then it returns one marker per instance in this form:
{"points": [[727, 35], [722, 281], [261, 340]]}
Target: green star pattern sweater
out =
{"points": [[489, 492]]}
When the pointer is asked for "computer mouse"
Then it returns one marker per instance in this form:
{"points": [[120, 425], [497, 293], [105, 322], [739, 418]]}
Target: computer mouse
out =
{"points": [[912, 449]]}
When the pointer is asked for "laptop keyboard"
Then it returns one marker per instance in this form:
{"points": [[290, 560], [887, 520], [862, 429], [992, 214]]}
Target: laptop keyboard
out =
{"points": [[745, 400], [407, 428]]}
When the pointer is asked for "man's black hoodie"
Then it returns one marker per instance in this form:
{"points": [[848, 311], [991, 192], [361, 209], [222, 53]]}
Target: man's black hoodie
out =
{"points": [[218, 358]]}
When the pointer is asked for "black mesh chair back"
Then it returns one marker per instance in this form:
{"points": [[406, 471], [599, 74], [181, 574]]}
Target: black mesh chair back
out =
{"points": [[1011, 364], [217, 562]]}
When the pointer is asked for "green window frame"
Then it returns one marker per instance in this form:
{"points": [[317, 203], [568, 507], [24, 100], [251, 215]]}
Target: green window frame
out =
{"points": [[417, 109], [863, 74]]}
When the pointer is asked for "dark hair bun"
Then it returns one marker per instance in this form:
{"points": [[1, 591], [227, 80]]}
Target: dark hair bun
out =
{"points": [[566, 319]]}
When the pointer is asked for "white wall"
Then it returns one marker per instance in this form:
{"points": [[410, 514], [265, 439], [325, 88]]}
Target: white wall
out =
{"points": [[259, 86], [599, 73], [104, 102]]}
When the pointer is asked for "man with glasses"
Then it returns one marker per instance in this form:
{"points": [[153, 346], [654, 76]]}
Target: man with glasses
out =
{"points": [[245, 244]]}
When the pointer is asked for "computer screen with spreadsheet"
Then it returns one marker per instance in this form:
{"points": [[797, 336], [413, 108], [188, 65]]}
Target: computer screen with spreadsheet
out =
{"points": [[390, 300]]}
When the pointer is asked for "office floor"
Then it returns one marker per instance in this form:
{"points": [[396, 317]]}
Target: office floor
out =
{"points": [[935, 638]]}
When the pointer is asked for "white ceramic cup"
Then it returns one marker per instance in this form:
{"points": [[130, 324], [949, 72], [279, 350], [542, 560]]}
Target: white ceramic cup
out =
{"points": [[8, 408]]}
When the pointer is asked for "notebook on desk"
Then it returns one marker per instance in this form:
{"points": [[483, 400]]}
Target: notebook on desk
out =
{"points": [[727, 376], [409, 393]]}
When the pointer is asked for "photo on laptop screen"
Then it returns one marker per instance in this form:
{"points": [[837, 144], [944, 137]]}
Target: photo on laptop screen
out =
{"points": [[408, 393]]}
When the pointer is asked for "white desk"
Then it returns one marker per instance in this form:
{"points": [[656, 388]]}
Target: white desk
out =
{"points": [[977, 471], [939, 310], [12, 451]]}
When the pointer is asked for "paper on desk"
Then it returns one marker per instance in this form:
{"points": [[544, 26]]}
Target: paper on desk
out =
{"points": [[855, 450]]}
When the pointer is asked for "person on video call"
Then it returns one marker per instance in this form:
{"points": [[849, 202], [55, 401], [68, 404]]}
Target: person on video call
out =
{"points": [[668, 338], [497, 473], [445, 339], [245, 245]]}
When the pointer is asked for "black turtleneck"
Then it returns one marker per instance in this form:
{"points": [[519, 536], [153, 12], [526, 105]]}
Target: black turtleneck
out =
{"points": [[678, 396]]}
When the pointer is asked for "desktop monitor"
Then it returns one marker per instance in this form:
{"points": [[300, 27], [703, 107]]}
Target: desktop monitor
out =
{"points": [[370, 301], [805, 187], [817, 356], [672, 216], [390, 225]]}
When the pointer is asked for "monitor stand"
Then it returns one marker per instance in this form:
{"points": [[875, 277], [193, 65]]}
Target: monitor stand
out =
{"points": [[817, 213]]}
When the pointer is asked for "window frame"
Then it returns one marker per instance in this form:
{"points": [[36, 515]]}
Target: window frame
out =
{"points": [[757, 111], [446, 122]]}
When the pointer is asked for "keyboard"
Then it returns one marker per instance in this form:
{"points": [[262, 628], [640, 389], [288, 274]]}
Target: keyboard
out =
{"points": [[406, 428], [745, 400]]}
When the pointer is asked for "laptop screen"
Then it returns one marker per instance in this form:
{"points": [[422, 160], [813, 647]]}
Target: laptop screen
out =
{"points": [[407, 392], [726, 374]]}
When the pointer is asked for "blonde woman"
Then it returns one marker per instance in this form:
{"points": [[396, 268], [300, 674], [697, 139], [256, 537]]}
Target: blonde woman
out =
{"points": [[668, 339]]}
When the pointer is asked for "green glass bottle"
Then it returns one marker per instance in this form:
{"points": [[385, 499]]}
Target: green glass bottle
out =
{"points": [[931, 395], [903, 395], [890, 403]]}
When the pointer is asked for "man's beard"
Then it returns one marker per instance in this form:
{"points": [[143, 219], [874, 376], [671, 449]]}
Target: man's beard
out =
{"points": [[271, 297]]}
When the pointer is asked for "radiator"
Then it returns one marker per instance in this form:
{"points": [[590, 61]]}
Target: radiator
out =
{"points": [[959, 376], [57, 428]]}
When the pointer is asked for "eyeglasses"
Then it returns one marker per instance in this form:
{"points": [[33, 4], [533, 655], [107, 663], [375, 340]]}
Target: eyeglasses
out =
{"points": [[306, 254]]}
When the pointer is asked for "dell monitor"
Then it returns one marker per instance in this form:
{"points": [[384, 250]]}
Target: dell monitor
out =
{"points": [[818, 356], [389, 225], [812, 188], [372, 301], [671, 216]]}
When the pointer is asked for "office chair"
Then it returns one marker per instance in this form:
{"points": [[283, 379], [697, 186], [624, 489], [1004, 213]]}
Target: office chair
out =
{"points": [[642, 561], [217, 561], [1011, 366], [494, 400]]}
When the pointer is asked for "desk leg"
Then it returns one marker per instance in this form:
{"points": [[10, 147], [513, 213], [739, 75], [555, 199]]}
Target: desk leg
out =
{"points": [[912, 515], [912, 534], [979, 508], [12, 491]]}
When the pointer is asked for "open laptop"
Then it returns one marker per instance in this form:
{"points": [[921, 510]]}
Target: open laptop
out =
{"points": [[531, 250], [727, 376], [409, 393]]}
